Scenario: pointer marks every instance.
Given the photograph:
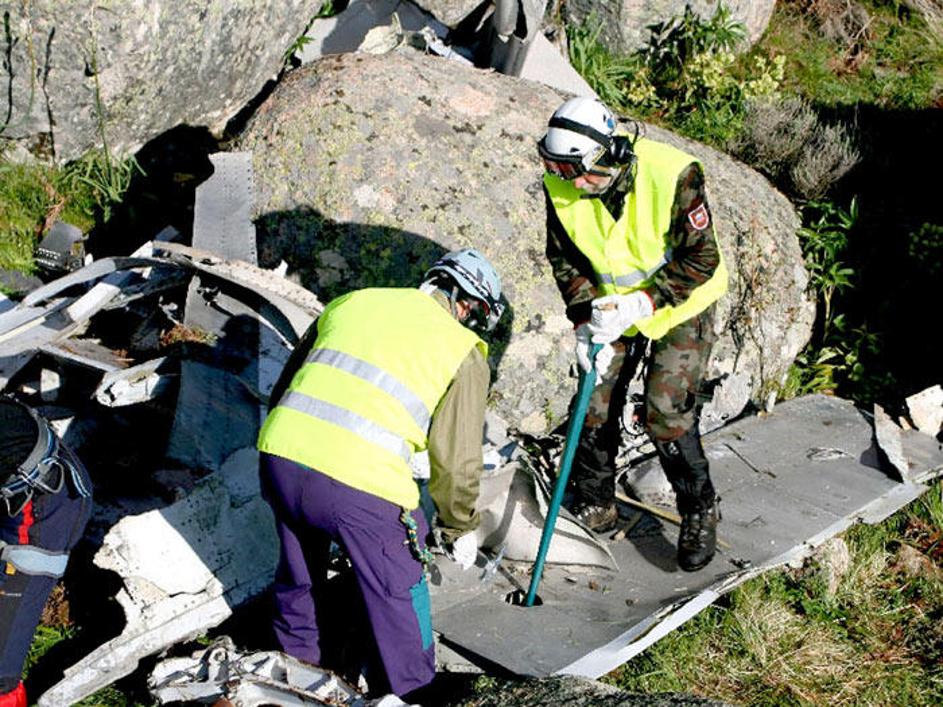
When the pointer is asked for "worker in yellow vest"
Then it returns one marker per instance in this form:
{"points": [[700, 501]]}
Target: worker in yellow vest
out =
{"points": [[383, 374], [631, 243]]}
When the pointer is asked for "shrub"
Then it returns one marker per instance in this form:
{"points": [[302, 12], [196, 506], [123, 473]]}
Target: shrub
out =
{"points": [[925, 247], [784, 138], [826, 157], [773, 133], [610, 76]]}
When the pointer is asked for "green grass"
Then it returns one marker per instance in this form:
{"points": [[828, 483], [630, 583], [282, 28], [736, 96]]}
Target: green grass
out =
{"points": [[899, 66], [873, 637], [33, 196], [43, 640]]}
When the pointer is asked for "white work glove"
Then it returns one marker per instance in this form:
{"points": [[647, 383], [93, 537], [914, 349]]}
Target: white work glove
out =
{"points": [[465, 550], [583, 344], [613, 314]]}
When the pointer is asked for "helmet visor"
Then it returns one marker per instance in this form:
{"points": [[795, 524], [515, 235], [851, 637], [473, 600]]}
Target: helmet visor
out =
{"points": [[564, 170]]}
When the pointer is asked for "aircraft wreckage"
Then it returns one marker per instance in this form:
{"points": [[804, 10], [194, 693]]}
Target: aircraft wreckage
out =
{"points": [[190, 538]]}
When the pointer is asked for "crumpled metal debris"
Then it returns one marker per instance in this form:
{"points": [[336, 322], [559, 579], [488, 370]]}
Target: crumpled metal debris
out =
{"points": [[247, 680]]}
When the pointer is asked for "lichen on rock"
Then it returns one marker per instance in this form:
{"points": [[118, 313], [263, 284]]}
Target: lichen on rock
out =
{"points": [[383, 163]]}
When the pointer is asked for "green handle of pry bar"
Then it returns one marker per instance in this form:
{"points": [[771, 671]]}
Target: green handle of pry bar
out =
{"points": [[575, 426]]}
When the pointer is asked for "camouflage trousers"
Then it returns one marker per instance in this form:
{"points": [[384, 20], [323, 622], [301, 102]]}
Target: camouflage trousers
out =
{"points": [[675, 366]]}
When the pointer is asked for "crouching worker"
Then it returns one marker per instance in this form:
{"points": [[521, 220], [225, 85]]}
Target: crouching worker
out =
{"points": [[47, 501], [391, 372]]}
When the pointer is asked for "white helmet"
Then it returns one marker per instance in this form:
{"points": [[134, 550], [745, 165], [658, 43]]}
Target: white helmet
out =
{"points": [[579, 134]]}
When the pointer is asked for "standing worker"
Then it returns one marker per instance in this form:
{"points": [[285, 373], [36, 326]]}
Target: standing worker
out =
{"points": [[632, 247], [47, 501], [391, 372]]}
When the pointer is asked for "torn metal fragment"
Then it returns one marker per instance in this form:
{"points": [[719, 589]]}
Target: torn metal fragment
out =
{"points": [[137, 384], [926, 410], [888, 434], [248, 680], [513, 508]]}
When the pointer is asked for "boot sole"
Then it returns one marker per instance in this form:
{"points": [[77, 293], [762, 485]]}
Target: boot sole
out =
{"points": [[695, 568]]}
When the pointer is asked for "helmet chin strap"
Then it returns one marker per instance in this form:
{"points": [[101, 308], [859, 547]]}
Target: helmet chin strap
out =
{"points": [[428, 287], [453, 298]]}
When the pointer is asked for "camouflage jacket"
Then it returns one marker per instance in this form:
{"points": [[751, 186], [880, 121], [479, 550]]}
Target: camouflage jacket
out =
{"points": [[695, 255]]}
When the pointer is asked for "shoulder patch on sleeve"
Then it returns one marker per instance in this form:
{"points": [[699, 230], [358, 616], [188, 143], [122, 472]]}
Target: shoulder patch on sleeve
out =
{"points": [[699, 217]]}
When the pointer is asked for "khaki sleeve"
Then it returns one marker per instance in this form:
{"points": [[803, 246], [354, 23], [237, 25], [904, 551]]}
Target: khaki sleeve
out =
{"points": [[455, 439]]}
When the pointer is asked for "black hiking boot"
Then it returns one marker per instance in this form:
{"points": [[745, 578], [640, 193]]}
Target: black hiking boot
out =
{"points": [[698, 539], [599, 518]]}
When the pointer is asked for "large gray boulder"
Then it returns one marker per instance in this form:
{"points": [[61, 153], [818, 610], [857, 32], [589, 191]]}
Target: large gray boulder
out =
{"points": [[125, 71], [449, 12], [624, 22], [367, 168]]}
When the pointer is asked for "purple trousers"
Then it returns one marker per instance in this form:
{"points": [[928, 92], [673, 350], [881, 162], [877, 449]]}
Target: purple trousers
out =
{"points": [[311, 509]]}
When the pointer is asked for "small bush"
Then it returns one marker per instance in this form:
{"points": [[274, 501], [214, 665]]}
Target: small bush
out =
{"points": [[784, 138], [686, 75], [774, 131], [925, 248], [827, 157]]}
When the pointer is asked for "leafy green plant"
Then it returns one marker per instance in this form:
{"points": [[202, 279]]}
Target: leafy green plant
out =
{"points": [[106, 178], [610, 76], [687, 74], [840, 351], [676, 42], [43, 640], [301, 41], [329, 8], [824, 240], [925, 246]]}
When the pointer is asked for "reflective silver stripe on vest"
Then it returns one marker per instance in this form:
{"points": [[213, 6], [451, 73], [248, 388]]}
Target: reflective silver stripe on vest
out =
{"points": [[633, 278], [375, 376], [30, 559], [360, 426]]}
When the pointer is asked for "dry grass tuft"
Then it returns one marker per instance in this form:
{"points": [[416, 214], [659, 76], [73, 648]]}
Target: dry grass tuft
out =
{"points": [[180, 334], [785, 139]]}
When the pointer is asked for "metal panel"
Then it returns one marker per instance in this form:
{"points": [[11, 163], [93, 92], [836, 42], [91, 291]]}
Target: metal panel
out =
{"points": [[789, 481]]}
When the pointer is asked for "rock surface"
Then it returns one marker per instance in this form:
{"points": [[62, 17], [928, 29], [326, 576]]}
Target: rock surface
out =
{"points": [[448, 12], [130, 70], [625, 22], [574, 692], [367, 168]]}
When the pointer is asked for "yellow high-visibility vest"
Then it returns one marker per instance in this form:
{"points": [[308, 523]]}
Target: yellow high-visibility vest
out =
{"points": [[625, 254], [361, 404]]}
